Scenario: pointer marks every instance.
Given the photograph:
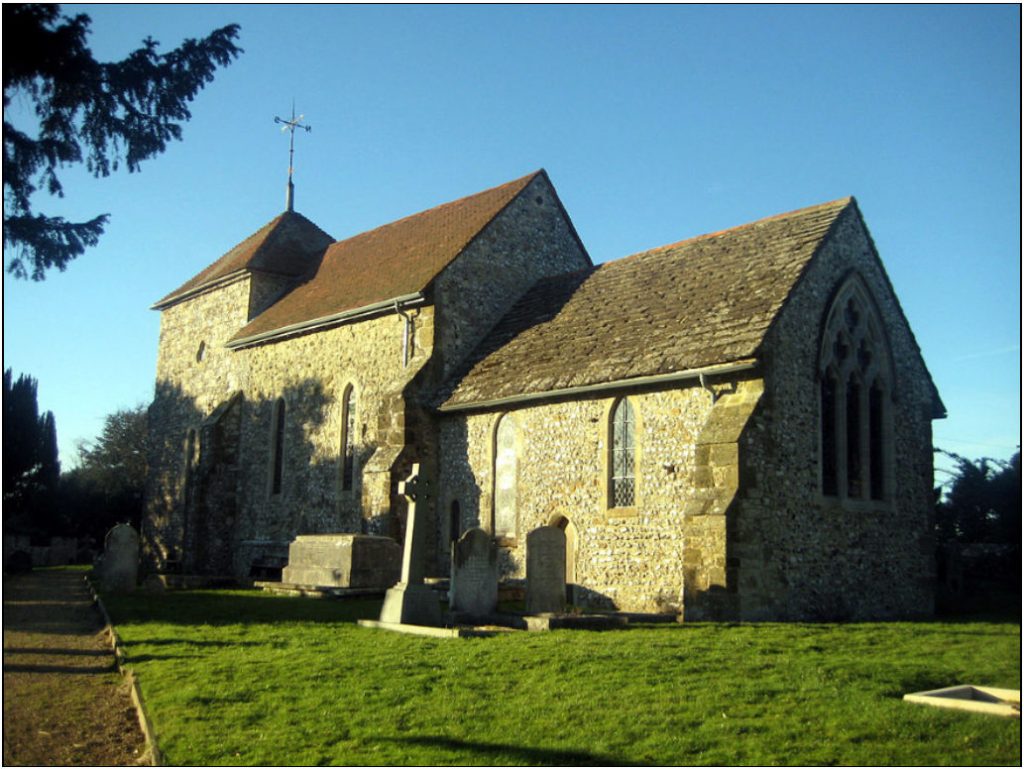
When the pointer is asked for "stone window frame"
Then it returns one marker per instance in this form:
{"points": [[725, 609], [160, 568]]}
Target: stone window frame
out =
{"points": [[855, 384], [278, 420], [608, 474], [506, 417], [348, 470]]}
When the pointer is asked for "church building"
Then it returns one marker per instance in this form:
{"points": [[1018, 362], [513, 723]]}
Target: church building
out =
{"points": [[734, 426]]}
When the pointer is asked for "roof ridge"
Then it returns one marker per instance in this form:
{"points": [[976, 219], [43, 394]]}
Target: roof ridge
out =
{"points": [[433, 209], [846, 201]]}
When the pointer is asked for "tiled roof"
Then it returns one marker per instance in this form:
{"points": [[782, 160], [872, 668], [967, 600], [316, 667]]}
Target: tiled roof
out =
{"points": [[395, 260], [289, 245], [698, 303]]}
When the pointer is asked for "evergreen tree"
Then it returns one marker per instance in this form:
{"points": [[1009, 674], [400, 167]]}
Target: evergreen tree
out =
{"points": [[96, 113], [31, 469], [983, 502]]}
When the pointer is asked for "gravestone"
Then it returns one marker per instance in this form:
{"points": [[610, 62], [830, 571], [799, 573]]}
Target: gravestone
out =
{"points": [[410, 602], [343, 560], [119, 565], [545, 570], [474, 583]]}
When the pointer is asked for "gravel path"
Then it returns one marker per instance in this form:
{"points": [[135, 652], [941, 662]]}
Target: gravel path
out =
{"points": [[64, 702]]}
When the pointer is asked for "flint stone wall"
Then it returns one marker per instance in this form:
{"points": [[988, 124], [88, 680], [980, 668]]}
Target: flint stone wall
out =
{"points": [[627, 558], [528, 240], [795, 554], [311, 373], [729, 521]]}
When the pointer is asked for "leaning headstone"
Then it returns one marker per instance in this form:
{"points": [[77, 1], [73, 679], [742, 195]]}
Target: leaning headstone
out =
{"points": [[411, 602], [343, 560], [119, 568], [545, 570], [474, 583]]}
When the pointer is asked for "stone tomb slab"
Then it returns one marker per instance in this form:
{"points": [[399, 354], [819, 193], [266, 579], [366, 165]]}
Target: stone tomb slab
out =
{"points": [[474, 583], [974, 699], [343, 560], [545, 571]]}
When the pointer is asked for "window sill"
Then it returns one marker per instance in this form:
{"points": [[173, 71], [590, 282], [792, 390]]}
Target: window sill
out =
{"points": [[621, 512], [856, 505]]}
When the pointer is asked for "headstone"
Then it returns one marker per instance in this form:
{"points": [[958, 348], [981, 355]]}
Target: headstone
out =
{"points": [[343, 560], [474, 583], [119, 567], [410, 602], [545, 570]]}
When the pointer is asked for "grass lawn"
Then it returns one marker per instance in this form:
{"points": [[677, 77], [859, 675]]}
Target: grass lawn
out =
{"points": [[237, 677]]}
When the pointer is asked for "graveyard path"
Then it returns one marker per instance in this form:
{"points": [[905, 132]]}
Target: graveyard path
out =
{"points": [[64, 701]]}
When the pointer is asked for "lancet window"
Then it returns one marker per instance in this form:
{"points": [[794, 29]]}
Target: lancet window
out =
{"points": [[348, 439], [277, 448], [622, 467]]}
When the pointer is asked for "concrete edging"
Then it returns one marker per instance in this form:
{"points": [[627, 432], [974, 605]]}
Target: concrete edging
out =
{"points": [[121, 659]]}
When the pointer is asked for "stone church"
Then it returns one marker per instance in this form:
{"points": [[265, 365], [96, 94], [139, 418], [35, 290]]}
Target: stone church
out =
{"points": [[734, 426]]}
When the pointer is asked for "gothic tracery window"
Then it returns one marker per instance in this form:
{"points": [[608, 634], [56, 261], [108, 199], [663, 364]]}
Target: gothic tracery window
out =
{"points": [[855, 380]]}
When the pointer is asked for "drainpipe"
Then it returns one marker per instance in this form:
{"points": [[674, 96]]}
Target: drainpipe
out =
{"points": [[405, 337], [704, 385]]}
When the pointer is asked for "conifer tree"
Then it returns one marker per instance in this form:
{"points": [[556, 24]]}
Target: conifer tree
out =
{"points": [[31, 468], [96, 113]]}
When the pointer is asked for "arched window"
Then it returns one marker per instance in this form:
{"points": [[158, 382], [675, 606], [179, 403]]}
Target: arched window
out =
{"points": [[622, 464], [506, 472], [348, 439], [191, 461], [454, 522], [277, 447], [855, 376]]}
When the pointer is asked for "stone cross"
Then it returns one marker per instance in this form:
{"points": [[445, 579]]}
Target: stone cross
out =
{"points": [[414, 554], [411, 602]]}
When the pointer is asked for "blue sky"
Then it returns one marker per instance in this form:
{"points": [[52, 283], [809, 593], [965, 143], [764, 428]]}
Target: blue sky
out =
{"points": [[655, 123]]}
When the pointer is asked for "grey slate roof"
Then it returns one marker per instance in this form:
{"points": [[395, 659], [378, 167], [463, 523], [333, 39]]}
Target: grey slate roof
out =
{"points": [[694, 304]]}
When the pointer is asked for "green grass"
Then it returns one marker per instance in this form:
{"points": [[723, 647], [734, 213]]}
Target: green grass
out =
{"points": [[233, 677]]}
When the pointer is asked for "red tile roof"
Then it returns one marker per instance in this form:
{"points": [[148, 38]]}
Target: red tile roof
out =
{"points": [[289, 244], [698, 303], [398, 259]]}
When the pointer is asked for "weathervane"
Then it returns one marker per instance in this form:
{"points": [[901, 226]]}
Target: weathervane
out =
{"points": [[290, 126]]}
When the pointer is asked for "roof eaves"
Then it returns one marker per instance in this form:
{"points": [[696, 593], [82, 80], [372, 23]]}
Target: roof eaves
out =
{"points": [[221, 282], [335, 319], [718, 369]]}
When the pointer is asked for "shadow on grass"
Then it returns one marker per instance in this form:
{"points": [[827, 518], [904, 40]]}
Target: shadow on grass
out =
{"points": [[218, 608], [63, 669], [57, 652], [517, 754]]}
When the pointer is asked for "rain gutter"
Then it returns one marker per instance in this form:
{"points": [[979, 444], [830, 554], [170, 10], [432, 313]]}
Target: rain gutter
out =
{"points": [[347, 316], [618, 384]]}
